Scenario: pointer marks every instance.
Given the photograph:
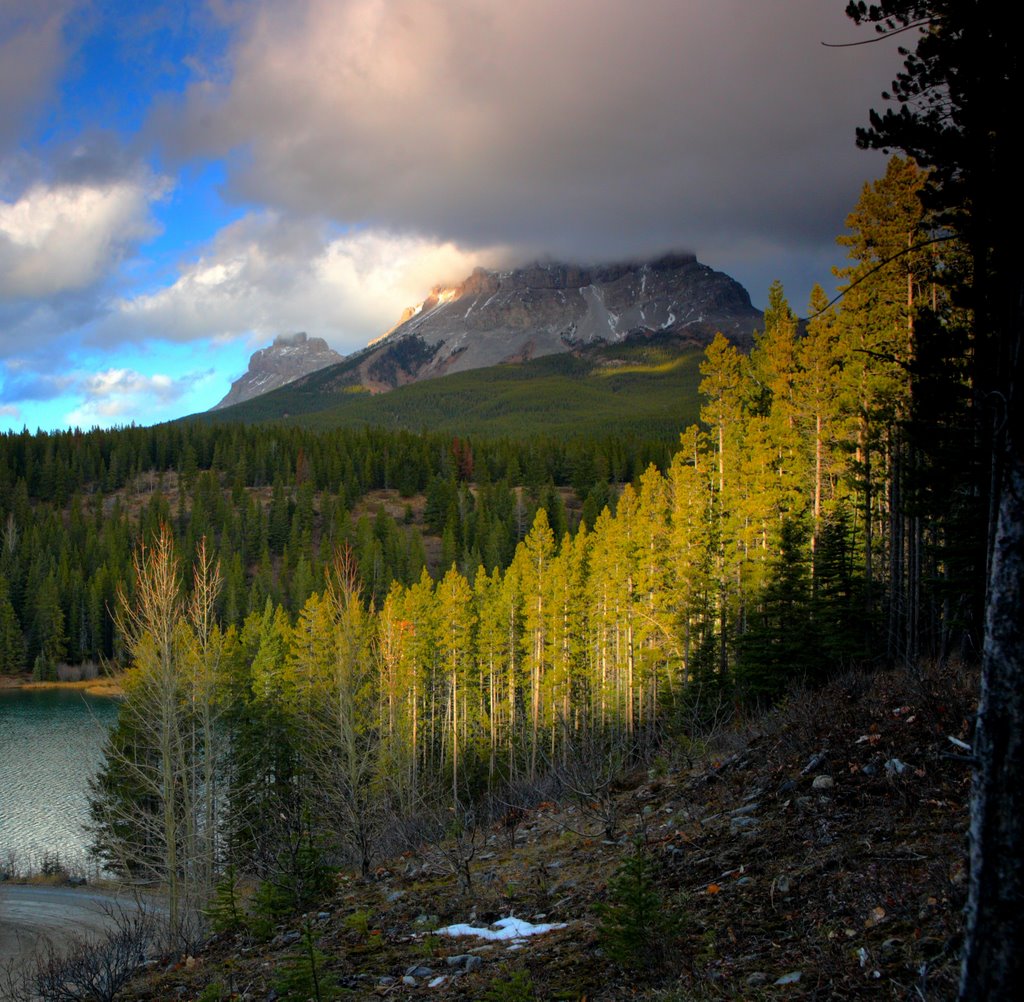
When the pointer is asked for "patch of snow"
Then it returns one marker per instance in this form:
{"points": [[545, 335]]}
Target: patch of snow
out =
{"points": [[506, 928], [671, 320]]}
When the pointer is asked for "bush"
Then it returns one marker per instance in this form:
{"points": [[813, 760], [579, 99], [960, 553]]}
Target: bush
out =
{"points": [[225, 912], [303, 976], [516, 986], [634, 925], [53, 866]]}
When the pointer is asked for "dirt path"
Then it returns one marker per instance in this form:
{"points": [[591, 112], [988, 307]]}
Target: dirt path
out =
{"points": [[29, 914]]}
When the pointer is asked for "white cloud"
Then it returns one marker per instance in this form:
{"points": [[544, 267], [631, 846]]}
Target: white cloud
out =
{"points": [[56, 239], [264, 275], [116, 393]]}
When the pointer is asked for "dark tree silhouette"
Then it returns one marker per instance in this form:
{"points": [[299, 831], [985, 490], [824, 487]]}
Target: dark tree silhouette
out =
{"points": [[950, 114]]}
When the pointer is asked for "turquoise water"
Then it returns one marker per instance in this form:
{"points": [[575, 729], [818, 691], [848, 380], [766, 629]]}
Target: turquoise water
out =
{"points": [[51, 743]]}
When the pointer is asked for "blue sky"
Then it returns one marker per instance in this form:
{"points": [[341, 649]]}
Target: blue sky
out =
{"points": [[181, 181]]}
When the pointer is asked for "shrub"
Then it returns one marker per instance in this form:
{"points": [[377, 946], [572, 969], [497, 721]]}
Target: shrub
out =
{"points": [[514, 986], [303, 976], [225, 912], [634, 924]]}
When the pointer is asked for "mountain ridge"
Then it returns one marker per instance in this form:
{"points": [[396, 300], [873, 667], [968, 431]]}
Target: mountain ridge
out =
{"points": [[602, 320], [288, 358], [498, 317]]}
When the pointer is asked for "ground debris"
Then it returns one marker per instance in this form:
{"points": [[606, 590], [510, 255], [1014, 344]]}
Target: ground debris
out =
{"points": [[784, 886]]}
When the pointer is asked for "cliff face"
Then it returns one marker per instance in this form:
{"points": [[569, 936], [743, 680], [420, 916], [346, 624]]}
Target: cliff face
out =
{"points": [[288, 358], [494, 317]]}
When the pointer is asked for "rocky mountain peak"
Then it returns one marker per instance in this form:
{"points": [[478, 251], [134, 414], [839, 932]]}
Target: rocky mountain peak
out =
{"points": [[289, 357], [547, 307]]}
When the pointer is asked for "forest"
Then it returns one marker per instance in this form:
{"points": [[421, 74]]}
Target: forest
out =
{"points": [[301, 687]]}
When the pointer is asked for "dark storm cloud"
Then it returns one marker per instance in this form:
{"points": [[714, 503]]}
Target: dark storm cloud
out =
{"points": [[593, 128]]}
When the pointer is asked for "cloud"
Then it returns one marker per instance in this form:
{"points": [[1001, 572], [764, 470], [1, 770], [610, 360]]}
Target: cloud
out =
{"points": [[99, 398], [586, 128], [32, 55], [266, 275], [62, 247], [67, 237], [120, 393]]}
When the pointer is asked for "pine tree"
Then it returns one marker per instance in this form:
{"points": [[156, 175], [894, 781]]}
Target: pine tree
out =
{"points": [[636, 928]]}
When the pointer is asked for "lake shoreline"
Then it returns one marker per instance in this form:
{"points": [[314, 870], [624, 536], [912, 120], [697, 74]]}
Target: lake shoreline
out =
{"points": [[108, 685]]}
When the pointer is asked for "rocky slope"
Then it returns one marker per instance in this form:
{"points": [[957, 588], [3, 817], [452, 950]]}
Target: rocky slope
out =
{"points": [[817, 851], [288, 358], [498, 317]]}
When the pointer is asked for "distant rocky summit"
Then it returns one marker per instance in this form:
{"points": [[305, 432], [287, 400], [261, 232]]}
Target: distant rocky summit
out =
{"points": [[510, 316], [288, 358]]}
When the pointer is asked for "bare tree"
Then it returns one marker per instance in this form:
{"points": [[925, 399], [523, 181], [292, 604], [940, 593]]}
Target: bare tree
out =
{"points": [[156, 813], [86, 969]]}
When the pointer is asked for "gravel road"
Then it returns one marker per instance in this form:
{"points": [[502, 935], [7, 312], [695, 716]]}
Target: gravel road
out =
{"points": [[30, 913]]}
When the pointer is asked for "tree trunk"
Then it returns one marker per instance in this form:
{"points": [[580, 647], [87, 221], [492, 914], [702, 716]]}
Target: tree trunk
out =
{"points": [[993, 959]]}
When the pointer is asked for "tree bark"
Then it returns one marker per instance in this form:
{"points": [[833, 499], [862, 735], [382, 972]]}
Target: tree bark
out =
{"points": [[993, 965]]}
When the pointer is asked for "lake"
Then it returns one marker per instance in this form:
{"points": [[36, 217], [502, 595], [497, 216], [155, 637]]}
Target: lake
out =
{"points": [[51, 743]]}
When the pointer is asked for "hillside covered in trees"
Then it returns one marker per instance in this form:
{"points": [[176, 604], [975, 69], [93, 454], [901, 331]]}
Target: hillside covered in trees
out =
{"points": [[340, 642], [316, 672]]}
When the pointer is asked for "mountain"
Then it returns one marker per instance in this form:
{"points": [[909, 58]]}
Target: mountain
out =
{"points": [[545, 349], [288, 358], [494, 318]]}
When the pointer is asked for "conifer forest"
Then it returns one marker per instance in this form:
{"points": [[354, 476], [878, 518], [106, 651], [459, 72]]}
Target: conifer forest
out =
{"points": [[306, 673], [360, 640]]}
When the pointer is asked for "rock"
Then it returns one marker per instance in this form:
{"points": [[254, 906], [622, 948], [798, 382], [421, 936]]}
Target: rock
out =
{"points": [[322, 916], [782, 884], [409, 980], [756, 979], [465, 962], [822, 783], [813, 763], [787, 787], [386, 980], [292, 936], [894, 767], [393, 896], [789, 979], [745, 809], [419, 971], [437, 982], [738, 824]]}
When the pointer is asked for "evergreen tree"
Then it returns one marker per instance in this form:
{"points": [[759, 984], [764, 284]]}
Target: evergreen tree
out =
{"points": [[636, 929]]}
